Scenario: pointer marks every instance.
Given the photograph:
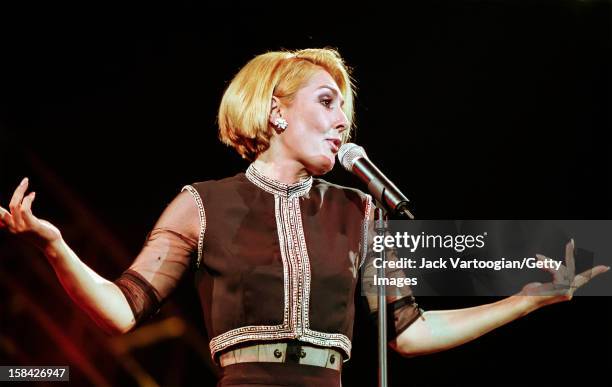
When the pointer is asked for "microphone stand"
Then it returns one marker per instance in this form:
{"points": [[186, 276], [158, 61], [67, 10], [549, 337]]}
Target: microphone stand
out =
{"points": [[380, 225]]}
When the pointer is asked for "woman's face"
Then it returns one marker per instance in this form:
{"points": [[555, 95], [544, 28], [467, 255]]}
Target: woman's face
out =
{"points": [[315, 123]]}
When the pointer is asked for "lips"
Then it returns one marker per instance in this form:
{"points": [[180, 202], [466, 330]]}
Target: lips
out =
{"points": [[334, 143]]}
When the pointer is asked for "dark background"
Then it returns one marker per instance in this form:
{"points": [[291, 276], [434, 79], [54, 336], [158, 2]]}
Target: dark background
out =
{"points": [[476, 109]]}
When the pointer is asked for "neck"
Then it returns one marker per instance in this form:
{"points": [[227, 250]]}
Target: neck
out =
{"points": [[286, 171]]}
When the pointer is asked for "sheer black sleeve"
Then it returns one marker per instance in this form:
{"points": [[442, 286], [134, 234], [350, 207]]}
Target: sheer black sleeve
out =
{"points": [[167, 254]]}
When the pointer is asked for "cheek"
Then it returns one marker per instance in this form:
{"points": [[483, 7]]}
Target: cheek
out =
{"points": [[311, 142], [306, 137]]}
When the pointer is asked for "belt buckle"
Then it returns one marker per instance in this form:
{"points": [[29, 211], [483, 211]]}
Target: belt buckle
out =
{"points": [[294, 352]]}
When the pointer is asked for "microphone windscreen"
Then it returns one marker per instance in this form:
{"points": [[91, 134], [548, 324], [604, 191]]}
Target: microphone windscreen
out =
{"points": [[349, 153]]}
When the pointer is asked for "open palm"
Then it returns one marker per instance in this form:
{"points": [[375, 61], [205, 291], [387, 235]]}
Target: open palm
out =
{"points": [[21, 221], [565, 280]]}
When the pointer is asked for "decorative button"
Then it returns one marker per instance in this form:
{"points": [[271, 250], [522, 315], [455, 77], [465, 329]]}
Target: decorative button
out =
{"points": [[332, 359], [277, 354]]}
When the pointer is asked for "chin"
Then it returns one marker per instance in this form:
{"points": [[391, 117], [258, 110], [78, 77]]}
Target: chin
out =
{"points": [[321, 165]]}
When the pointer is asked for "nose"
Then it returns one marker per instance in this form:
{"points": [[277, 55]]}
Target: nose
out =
{"points": [[342, 122]]}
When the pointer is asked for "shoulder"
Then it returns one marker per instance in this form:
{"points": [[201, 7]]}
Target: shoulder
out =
{"points": [[219, 188], [207, 188], [226, 182]]}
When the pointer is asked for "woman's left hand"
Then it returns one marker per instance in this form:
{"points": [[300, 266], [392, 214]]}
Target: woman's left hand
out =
{"points": [[565, 281]]}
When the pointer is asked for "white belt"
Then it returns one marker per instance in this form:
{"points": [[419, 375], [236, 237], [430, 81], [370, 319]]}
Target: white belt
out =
{"points": [[292, 352]]}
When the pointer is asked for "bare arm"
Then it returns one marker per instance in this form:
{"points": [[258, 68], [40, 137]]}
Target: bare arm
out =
{"points": [[441, 330], [100, 298], [118, 306]]}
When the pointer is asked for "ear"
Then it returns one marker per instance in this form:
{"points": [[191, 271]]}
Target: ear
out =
{"points": [[274, 110]]}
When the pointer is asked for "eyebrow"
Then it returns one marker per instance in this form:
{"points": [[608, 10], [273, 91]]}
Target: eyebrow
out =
{"points": [[334, 91]]}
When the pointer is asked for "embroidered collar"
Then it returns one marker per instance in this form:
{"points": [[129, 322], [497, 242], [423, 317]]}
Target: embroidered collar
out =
{"points": [[276, 187]]}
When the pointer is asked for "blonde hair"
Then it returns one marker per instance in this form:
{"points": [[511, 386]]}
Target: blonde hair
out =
{"points": [[245, 107]]}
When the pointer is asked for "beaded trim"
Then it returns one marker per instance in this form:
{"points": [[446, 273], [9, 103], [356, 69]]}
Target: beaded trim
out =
{"points": [[287, 239], [366, 224], [198, 200], [303, 262], [276, 187], [248, 333], [287, 267], [337, 340]]}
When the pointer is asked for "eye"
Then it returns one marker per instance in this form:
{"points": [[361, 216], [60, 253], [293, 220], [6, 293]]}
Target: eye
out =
{"points": [[327, 102]]}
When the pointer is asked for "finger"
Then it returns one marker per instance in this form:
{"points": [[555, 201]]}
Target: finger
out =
{"points": [[17, 216], [18, 194], [26, 208], [2, 212], [587, 275], [560, 279], [16, 201], [569, 258], [557, 274], [5, 218]]}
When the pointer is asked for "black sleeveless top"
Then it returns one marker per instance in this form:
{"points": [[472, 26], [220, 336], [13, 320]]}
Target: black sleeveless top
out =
{"points": [[276, 262]]}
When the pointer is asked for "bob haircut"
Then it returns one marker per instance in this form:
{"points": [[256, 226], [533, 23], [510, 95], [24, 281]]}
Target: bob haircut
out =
{"points": [[245, 107]]}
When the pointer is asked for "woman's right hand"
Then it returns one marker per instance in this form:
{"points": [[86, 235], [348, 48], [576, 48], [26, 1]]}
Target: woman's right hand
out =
{"points": [[21, 222]]}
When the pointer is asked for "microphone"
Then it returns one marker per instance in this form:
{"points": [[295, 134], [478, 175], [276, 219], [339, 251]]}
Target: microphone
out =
{"points": [[354, 159]]}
